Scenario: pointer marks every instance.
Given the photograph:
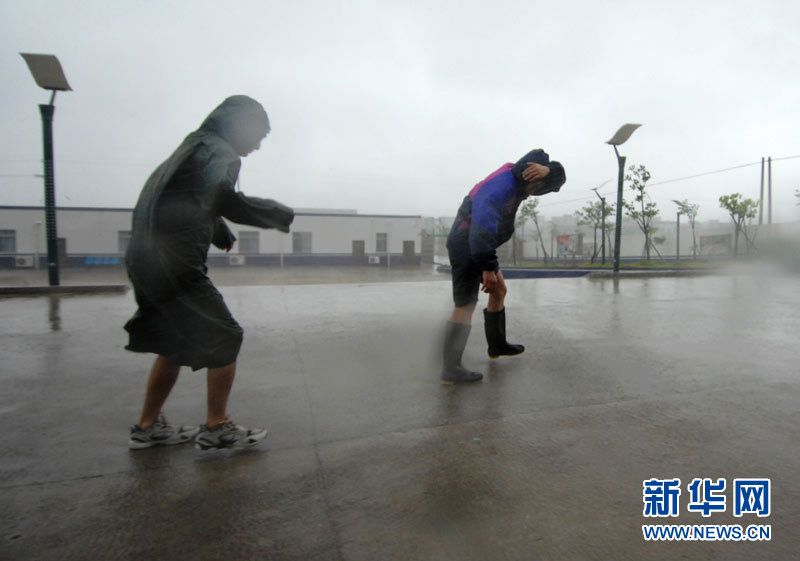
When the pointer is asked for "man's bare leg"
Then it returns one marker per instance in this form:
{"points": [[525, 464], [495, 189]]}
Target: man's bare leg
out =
{"points": [[162, 378], [220, 381], [497, 297]]}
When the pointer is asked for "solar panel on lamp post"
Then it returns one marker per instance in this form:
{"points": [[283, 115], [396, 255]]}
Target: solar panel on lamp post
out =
{"points": [[619, 138], [48, 74]]}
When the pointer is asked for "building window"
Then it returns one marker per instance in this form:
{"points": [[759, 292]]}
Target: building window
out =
{"points": [[301, 242], [123, 240], [8, 241], [381, 243], [248, 242]]}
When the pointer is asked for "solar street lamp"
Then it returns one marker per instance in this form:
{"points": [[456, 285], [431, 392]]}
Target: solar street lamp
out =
{"points": [[48, 74], [619, 138]]}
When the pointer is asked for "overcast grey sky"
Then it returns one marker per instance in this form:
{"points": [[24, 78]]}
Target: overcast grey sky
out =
{"points": [[400, 107]]}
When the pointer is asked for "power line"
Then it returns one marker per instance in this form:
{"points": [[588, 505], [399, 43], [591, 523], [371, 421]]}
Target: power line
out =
{"points": [[569, 201], [786, 158], [678, 179], [704, 174]]}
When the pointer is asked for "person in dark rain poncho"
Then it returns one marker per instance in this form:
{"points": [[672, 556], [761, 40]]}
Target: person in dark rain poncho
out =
{"points": [[485, 221], [181, 317]]}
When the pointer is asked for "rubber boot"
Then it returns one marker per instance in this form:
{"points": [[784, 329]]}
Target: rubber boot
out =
{"points": [[495, 325], [455, 340]]}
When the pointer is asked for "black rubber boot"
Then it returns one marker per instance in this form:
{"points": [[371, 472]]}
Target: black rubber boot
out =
{"points": [[495, 325], [455, 340]]}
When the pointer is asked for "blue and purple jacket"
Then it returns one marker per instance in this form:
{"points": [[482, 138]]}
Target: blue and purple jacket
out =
{"points": [[485, 220]]}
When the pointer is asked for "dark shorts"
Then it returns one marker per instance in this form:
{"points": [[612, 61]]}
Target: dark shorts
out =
{"points": [[467, 276], [191, 325]]}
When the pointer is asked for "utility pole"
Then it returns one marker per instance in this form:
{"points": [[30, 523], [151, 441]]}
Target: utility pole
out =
{"points": [[761, 197], [769, 188], [678, 235], [603, 218]]}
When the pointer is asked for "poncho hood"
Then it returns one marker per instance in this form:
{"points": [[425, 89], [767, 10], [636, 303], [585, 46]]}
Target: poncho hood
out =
{"points": [[239, 120]]}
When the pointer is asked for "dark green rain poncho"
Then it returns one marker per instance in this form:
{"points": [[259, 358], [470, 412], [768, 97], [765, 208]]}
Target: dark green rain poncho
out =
{"points": [[178, 215]]}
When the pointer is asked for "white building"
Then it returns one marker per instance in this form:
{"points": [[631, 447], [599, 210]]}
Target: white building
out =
{"points": [[99, 236]]}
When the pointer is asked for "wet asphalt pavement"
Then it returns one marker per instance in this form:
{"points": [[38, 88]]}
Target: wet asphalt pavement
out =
{"points": [[370, 458]]}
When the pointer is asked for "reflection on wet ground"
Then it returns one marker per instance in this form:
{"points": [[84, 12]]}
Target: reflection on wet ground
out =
{"points": [[238, 276]]}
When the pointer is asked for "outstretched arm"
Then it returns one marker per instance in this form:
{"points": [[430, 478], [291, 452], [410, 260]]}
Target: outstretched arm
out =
{"points": [[254, 211]]}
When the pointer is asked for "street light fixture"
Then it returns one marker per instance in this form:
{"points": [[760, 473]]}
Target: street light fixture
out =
{"points": [[619, 138], [48, 74]]}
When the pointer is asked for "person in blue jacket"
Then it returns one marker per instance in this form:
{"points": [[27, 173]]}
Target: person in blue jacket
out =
{"points": [[484, 222]]}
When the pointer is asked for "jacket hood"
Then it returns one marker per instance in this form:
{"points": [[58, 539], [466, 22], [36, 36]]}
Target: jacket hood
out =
{"points": [[554, 180]]}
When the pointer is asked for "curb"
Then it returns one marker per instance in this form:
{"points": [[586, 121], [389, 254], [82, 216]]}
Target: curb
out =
{"points": [[649, 274], [591, 274], [519, 273]]}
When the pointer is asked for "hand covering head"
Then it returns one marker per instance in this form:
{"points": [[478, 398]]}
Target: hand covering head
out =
{"points": [[241, 121], [554, 180]]}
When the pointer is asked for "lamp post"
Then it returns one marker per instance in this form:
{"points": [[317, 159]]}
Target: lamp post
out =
{"points": [[619, 138], [48, 74]]}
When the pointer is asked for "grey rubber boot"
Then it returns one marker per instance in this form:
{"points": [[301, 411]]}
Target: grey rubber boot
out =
{"points": [[455, 340]]}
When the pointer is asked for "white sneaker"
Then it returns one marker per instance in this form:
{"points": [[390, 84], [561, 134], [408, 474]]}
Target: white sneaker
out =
{"points": [[228, 435], [160, 433]]}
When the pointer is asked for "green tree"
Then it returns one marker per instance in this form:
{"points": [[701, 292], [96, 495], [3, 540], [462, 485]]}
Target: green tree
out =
{"points": [[442, 228], [530, 211], [740, 210], [608, 227], [690, 212], [642, 210], [592, 215], [587, 216], [519, 224]]}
